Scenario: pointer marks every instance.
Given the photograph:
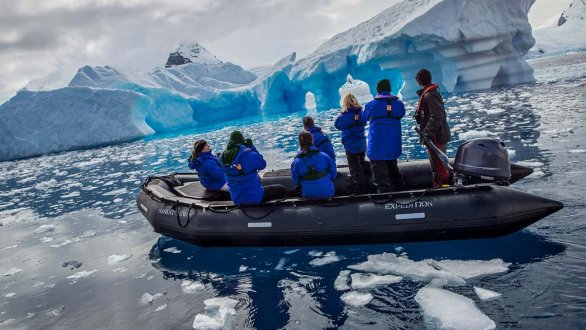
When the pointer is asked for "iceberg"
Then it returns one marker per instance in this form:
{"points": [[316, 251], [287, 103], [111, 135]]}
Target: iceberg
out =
{"points": [[562, 34], [467, 44]]}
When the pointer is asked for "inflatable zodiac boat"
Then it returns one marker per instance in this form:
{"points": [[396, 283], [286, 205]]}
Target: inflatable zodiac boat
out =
{"points": [[480, 205]]}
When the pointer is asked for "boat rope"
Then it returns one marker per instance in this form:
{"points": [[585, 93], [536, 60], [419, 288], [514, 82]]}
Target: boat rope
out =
{"points": [[176, 204], [390, 199], [258, 218]]}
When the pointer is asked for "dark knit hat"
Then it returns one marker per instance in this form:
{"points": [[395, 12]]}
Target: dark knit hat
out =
{"points": [[423, 77], [383, 85], [236, 137]]}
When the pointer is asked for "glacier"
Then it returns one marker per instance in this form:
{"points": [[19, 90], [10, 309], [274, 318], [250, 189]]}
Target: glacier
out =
{"points": [[467, 44]]}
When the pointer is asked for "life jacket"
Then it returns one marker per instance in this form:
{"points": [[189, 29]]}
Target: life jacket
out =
{"points": [[389, 112], [356, 118], [427, 89], [313, 174], [236, 164]]}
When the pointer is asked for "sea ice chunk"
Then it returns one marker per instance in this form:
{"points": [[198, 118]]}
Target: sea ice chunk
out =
{"points": [[485, 294], [116, 258], [216, 313], [450, 310], [355, 298], [364, 281]]}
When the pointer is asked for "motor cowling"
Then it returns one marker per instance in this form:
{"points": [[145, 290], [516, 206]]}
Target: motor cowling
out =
{"points": [[482, 160]]}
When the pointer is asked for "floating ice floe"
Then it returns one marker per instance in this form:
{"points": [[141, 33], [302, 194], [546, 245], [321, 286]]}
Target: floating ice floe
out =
{"points": [[467, 269], [327, 258], [485, 294], [389, 263], [46, 185], [172, 249], [65, 242], [315, 253], [12, 272], [454, 272], [472, 134], [449, 310], [242, 268], [119, 270], [115, 192], [116, 258], [88, 233], [356, 299], [160, 308], [190, 287], [281, 264], [577, 151], [44, 229], [84, 273], [45, 239], [148, 298], [341, 282], [291, 251], [217, 312], [9, 247], [10, 295], [365, 281]]}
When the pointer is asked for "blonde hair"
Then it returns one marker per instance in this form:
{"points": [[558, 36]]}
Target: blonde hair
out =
{"points": [[349, 100]]}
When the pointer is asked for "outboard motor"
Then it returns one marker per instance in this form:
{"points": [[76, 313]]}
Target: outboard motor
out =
{"points": [[482, 160]]}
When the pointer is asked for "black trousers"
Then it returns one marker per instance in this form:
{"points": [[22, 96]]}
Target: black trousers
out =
{"points": [[274, 191], [386, 176], [357, 166]]}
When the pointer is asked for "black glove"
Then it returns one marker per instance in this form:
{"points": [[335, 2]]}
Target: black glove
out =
{"points": [[248, 143], [417, 118], [430, 137]]}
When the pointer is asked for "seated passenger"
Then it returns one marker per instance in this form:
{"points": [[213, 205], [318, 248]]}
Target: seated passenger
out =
{"points": [[351, 122], [313, 170], [241, 163], [206, 166], [320, 139]]}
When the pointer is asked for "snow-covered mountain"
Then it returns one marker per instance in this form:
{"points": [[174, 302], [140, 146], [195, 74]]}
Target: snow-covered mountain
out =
{"points": [[191, 53], [467, 44], [565, 32]]}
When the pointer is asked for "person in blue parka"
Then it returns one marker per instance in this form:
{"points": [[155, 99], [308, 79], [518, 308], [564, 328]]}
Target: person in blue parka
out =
{"points": [[313, 170], [351, 122], [320, 139], [384, 137], [207, 166], [241, 163]]}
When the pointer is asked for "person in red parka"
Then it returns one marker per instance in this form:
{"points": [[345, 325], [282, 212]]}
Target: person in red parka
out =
{"points": [[431, 117]]}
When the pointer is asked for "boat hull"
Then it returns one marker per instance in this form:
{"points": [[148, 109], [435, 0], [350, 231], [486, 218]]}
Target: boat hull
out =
{"points": [[470, 212]]}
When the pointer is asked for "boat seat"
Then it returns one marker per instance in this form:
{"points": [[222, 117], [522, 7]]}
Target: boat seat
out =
{"points": [[196, 191]]}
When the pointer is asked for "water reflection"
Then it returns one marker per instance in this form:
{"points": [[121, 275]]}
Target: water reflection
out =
{"points": [[284, 287]]}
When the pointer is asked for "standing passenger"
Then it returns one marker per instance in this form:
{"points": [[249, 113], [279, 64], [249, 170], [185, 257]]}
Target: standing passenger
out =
{"points": [[313, 170], [206, 165], [241, 163], [431, 117], [351, 122], [320, 139], [384, 137]]}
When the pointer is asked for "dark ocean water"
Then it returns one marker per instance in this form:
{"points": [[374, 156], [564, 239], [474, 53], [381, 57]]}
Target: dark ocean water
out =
{"points": [[75, 253]]}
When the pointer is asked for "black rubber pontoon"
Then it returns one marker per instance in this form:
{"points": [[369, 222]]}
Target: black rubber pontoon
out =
{"points": [[176, 205]]}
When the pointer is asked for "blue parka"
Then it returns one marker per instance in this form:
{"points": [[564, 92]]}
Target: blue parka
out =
{"points": [[315, 171], [352, 123], [322, 142], [384, 133], [208, 169], [242, 176]]}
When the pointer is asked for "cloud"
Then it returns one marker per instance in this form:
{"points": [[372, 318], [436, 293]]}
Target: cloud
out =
{"points": [[46, 41]]}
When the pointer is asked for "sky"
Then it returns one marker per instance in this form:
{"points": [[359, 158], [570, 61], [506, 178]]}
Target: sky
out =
{"points": [[44, 42]]}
